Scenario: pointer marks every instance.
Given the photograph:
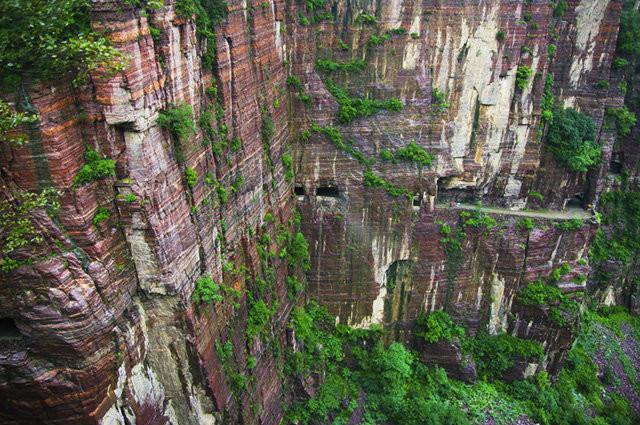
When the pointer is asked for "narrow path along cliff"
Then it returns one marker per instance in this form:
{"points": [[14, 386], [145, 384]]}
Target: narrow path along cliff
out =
{"points": [[566, 214]]}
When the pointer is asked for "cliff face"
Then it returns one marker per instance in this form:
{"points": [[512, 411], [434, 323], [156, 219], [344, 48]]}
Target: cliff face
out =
{"points": [[487, 147], [108, 332]]}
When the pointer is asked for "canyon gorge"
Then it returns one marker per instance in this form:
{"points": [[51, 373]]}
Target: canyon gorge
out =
{"points": [[247, 212]]}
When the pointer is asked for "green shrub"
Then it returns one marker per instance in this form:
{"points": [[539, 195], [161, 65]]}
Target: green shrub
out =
{"points": [[45, 40], [629, 32], [294, 82], [329, 66], [619, 63], [367, 19], [267, 130], [223, 196], [10, 121], [623, 118], [387, 155], [602, 84], [17, 230], [571, 140], [438, 326], [494, 354], [500, 35], [95, 168], [351, 108], [526, 223], [570, 225], [303, 20], [102, 214], [523, 75], [438, 100], [191, 177], [560, 9], [539, 293], [551, 50], [373, 180], [415, 35], [413, 152], [206, 291], [478, 219], [178, 120], [287, 163], [258, 317], [298, 252], [547, 102]]}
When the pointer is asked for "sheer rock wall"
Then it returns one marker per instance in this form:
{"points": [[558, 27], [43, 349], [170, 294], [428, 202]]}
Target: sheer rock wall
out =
{"points": [[109, 332]]}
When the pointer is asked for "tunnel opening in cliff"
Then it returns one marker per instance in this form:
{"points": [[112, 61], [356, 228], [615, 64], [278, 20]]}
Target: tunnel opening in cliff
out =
{"points": [[9, 329], [328, 192], [447, 192]]}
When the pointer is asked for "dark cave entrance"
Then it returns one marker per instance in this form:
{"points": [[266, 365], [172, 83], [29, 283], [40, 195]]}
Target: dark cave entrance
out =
{"points": [[8, 329], [447, 193], [298, 190], [576, 201], [328, 192]]}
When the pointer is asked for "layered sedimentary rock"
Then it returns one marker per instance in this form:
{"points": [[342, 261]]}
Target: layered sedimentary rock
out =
{"points": [[487, 148], [107, 331]]}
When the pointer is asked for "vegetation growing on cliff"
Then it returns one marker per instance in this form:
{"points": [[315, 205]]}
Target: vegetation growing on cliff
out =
{"points": [[623, 119], [43, 40], [438, 326], [571, 139], [10, 122], [353, 107], [95, 168], [178, 120], [17, 229], [389, 384]]}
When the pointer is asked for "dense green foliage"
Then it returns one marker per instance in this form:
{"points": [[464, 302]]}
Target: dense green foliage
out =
{"points": [[178, 120], [559, 307], [438, 326], [570, 225], [191, 176], [206, 291], [629, 33], [494, 354], [526, 223], [43, 40], [571, 139], [351, 107], [621, 221], [414, 153], [523, 75], [95, 168], [329, 66], [399, 389], [17, 230], [371, 179], [623, 119], [10, 122], [101, 215]]}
